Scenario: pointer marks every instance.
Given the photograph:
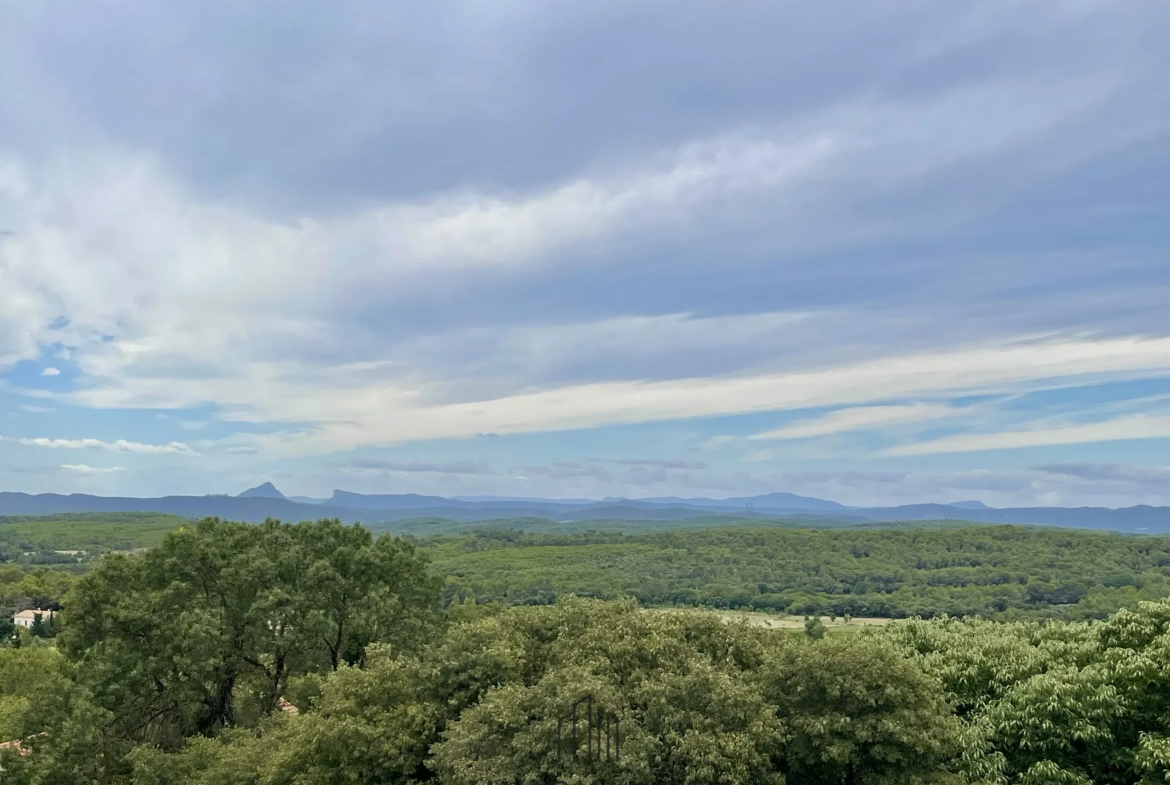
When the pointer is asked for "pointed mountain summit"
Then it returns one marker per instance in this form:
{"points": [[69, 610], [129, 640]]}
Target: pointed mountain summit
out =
{"points": [[265, 491]]}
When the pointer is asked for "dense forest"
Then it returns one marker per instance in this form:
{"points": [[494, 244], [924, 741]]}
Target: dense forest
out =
{"points": [[1002, 572], [892, 571], [279, 654]]}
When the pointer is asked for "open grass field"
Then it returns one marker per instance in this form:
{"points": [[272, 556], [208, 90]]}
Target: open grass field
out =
{"points": [[774, 621]]}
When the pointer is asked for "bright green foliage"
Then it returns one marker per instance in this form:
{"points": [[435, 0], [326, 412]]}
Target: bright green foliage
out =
{"points": [[678, 684], [856, 712], [31, 679], [1153, 758], [1074, 703], [42, 704], [370, 725]]}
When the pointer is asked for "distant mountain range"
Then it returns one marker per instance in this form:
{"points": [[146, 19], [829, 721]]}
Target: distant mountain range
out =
{"points": [[265, 501], [769, 501]]}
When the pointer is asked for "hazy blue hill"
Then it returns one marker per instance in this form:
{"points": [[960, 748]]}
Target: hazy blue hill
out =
{"points": [[265, 491], [767, 501], [387, 501], [253, 510], [528, 499], [785, 501], [1142, 518], [265, 501]]}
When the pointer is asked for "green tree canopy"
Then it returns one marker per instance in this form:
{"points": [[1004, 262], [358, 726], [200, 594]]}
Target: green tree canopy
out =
{"points": [[204, 631]]}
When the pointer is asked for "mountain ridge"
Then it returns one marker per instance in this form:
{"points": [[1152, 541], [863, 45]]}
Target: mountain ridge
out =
{"points": [[258, 503]]}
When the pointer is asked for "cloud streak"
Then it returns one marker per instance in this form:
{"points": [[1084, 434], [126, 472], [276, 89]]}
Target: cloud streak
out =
{"points": [[1109, 472], [119, 445], [859, 419], [979, 369], [660, 463], [81, 468], [1118, 429]]}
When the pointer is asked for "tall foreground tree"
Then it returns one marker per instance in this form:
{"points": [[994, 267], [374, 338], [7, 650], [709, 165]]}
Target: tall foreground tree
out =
{"points": [[204, 631], [360, 590]]}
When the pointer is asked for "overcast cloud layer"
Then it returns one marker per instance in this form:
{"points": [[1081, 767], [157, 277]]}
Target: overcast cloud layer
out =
{"points": [[915, 252]]}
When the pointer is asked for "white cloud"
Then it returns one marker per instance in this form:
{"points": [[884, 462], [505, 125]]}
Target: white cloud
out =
{"points": [[50, 371], [859, 419], [473, 229], [31, 409], [120, 445], [175, 301], [1119, 429], [81, 468], [195, 279], [113, 242]]}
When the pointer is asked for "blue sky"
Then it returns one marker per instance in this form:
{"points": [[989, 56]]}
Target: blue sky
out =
{"points": [[915, 252]]}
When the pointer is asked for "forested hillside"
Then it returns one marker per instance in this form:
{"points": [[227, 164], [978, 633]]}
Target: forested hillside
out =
{"points": [[316, 653], [1000, 571], [320, 653], [38, 539]]}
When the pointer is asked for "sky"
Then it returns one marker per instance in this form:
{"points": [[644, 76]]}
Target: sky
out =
{"points": [[882, 253]]}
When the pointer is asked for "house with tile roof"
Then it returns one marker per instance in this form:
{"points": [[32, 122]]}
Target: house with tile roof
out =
{"points": [[26, 618]]}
